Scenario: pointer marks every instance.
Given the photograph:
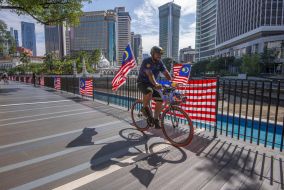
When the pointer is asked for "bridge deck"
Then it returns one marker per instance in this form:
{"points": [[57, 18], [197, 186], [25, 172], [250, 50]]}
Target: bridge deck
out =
{"points": [[51, 139]]}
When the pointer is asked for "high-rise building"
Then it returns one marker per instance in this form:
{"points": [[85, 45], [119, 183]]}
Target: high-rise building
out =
{"points": [[68, 47], [55, 41], [169, 15], [28, 36], [187, 55], [234, 28], [16, 36], [245, 27], [206, 14], [95, 31], [132, 40], [137, 48], [145, 55], [123, 31]]}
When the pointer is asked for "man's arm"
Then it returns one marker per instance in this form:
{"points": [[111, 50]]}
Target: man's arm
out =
{"points": [[151, 78], [167, 75]]}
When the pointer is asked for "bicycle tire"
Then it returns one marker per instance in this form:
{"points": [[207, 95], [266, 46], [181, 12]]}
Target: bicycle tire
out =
{"points": [[188, 123], [136, 111]]}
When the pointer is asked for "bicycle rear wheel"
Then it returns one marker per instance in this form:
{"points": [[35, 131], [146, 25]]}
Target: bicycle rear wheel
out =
{"points": [[138, 119], [177, 126]]}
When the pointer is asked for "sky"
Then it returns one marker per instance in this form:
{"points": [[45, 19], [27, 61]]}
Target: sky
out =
{"points": [[144, 20]]}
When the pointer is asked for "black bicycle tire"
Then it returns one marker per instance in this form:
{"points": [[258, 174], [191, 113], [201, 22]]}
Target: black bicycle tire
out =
{"points": [[132, 116], [190, 136]]}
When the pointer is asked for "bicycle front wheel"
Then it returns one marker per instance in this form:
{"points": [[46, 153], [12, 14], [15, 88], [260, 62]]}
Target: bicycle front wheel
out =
{"points": [[139, 121], [177, 126]]}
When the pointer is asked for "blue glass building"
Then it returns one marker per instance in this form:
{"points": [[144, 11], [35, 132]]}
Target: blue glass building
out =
{"points": [[28, 36]]}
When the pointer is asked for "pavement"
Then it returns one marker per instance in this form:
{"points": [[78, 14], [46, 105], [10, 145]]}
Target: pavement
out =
{"points": [[54, 140]]}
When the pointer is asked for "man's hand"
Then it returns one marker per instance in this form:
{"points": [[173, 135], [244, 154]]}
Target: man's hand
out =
{"points": [[175, 85], [158, 86]]}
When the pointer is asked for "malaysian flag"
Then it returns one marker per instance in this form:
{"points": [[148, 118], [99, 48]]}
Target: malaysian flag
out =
{"points": [[29, 79], [128, 62], [41, 81], [86, 87], [57, 83], [176, 69], [200, 104], [182, 76]]}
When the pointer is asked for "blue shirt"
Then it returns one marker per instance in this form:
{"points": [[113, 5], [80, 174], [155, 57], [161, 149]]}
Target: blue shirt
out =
{"points": [[148, 64]]}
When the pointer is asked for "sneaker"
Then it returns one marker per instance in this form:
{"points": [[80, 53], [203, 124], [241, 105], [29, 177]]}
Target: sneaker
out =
{"points": [[157, 124], [146, 112]]}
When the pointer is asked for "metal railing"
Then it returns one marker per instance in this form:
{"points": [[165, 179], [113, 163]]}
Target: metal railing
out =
{"points": [[248, 110]]}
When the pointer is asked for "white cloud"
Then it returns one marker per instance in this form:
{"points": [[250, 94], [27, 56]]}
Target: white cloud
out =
{"points": [[148, 41], [187, 36], [146, 22], [13, 20]]}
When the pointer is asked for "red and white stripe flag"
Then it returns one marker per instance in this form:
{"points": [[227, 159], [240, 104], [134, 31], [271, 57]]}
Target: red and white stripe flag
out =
{"points": [[86, 87], [176, 69], [201, 100], [57, 83], [128, 63], [41, 81]]}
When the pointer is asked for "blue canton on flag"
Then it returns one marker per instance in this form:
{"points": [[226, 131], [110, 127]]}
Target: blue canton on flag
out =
{"points": [[82, 84], [86, 87], [183, 74]]}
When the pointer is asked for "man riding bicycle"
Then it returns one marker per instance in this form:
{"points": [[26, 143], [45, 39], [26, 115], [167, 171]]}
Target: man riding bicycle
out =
{"points": [[146, 82]]}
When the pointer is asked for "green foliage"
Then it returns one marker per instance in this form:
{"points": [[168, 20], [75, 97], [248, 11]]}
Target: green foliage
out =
{"points": [[47, 12], [251, 64], [268, 58], [168, 63], [95, 58], [24, 58], [6, 38], [199, 68]]}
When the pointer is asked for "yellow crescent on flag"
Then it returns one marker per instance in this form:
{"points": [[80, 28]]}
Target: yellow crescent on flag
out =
{"points": [[126, 55]]}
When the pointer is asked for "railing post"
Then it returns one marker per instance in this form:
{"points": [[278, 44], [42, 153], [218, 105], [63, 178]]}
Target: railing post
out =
{"points": [[93, 84], [128, 93], [73, 84], [216, 108], [276, 115], [107, 91]]}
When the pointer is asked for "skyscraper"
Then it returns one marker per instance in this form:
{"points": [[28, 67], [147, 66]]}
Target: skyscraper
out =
{"points": [[28, 36], [137, 49], [187, 55], [245, 27], [169, 15], [206, 14], [95, 31], [16, 36], [55, 41], [123, 31], [68, 47], [235, 28]]}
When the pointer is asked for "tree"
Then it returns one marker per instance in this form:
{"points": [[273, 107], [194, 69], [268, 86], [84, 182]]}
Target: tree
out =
{"points": [[251, 65], [268, 58], [48, 61], [7, 42], [168, 63], [24, 58], [199, 68], [95, 57], [48, 12]]}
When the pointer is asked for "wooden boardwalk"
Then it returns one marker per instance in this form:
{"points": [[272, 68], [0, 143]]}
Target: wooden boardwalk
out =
{"points": [[53, 140]]}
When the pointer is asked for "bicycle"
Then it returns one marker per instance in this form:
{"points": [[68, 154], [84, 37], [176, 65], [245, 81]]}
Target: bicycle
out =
{"points": [[175, 122]]}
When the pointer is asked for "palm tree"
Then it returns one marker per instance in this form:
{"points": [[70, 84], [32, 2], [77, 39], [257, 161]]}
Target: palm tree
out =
{"points": [[25, 59]]}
